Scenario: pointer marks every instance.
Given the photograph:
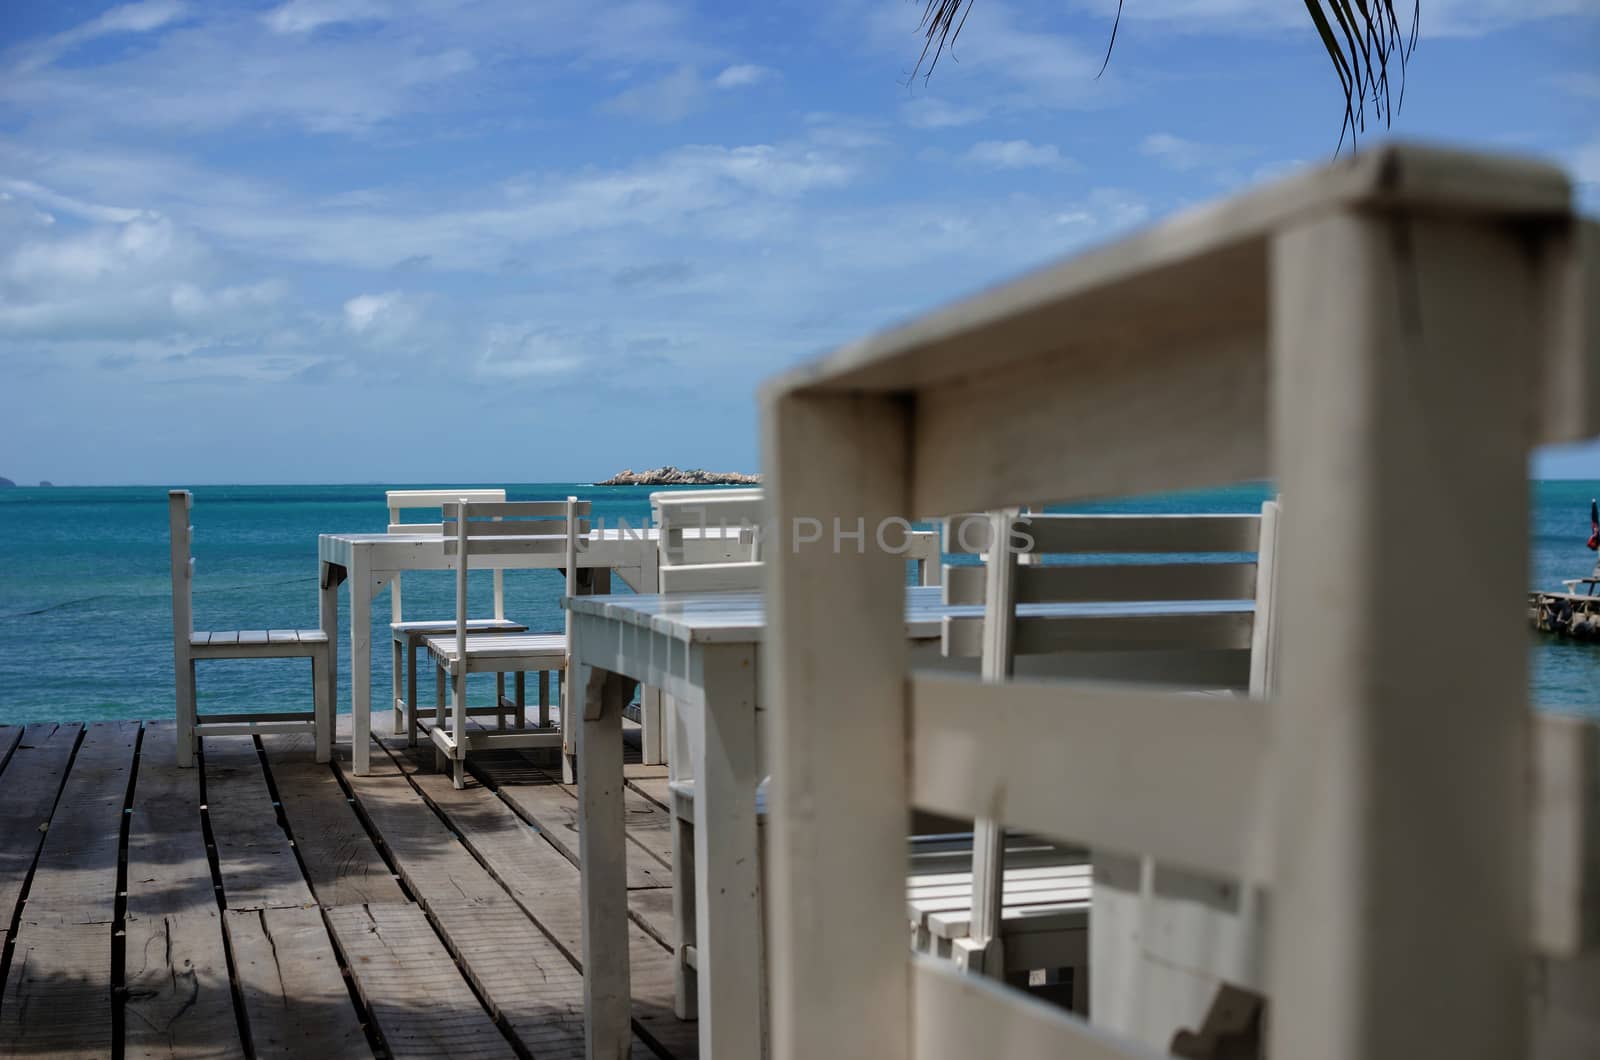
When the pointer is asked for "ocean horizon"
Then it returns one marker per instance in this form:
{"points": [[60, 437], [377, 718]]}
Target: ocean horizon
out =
{"points": [[85, 584]]}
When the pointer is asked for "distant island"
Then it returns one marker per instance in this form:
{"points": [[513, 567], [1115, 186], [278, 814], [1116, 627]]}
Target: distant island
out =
{"points": [[6, 483], [673, 476], [46, 482]]}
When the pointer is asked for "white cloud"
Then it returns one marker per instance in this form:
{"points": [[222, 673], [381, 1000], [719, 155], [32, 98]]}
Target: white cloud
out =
{"points": [[1580, 85], [523, 351], [742, 75], [1018, 154], [303, 16], [667, 99], [1185, 156], [930, 112], [215, 67]]}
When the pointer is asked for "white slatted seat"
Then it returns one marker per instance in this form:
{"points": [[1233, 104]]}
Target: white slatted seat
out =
{"points": [[191, 646], [499, 527], [407, 636]]}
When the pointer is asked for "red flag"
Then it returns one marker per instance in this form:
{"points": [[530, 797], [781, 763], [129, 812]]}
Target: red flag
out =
{"points": [[1594, 526]]}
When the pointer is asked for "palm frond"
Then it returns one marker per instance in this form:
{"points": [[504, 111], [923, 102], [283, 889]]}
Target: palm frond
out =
{"points": [[1364, 40]]}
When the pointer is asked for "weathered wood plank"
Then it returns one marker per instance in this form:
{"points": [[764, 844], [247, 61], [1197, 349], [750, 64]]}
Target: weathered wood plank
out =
{"points": [[58, 995], [255, 859], [178, 1001], [544, 883], [58, 992], [28, 790], [417, 998], [344, 866], [657, 789], [76, 878], [10, 736], [430, 860], [554, 811], [294, 993], [168, 872], [528, 981]]}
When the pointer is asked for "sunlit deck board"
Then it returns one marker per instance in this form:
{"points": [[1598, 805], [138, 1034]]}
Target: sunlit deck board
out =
{"points": [[179, 1001], [59, 988]]}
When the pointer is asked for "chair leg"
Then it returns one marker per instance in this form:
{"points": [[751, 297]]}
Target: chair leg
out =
{"points": [[544, 699], [397, 653], [322, 704], [186, 711], [411, 688], [438, 716], [569, 722], [458, 728], [500, 700], [522, 699]]}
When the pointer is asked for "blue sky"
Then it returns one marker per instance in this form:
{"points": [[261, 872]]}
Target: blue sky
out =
{"points": [[363, 240]]}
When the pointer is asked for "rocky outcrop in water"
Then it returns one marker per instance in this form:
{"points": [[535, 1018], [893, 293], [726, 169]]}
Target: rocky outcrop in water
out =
{"points": [[673, 476]]}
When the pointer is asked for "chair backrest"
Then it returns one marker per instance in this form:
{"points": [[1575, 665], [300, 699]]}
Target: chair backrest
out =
{"points": [[512, 527], [401, 501], [1197, 651], [1200, 650], [181, 533], [709, 540]]}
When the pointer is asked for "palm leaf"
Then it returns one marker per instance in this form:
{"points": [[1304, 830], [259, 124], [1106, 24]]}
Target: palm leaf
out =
{"points": [[1363, 39]]}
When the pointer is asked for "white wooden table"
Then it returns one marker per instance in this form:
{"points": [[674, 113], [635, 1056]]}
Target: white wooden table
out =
{"points": [[704, 650], [369, 562]]}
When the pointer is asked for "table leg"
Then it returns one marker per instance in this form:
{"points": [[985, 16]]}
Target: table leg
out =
{"points": [[329, 575], [360, 666], [597, 699], [727, 869]]}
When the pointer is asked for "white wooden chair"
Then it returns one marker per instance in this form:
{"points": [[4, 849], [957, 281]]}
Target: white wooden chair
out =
{"points": [[1343, 332], [407, 636], [500, 527], [1025, 900], [735, 513], [190, 647]]}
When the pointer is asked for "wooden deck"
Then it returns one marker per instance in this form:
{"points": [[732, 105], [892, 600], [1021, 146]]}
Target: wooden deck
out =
{"points": [[263, 905]]}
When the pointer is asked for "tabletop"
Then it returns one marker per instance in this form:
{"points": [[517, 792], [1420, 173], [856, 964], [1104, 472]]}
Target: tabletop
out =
{"points": [[734, 617]]}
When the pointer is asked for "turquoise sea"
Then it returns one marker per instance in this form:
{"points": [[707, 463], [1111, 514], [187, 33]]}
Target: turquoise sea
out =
{"points": [[85, 586]]}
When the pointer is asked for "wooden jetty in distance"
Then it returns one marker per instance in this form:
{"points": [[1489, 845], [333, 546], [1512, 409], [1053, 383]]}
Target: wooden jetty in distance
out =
{"points": [[1574, 615]]}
